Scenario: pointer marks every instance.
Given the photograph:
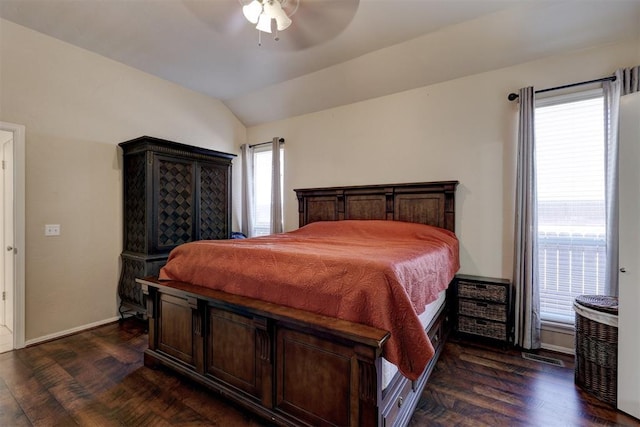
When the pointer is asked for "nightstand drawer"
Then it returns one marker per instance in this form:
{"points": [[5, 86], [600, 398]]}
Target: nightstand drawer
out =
{"points": [[483, 291], [485, 328], [485, 310]]}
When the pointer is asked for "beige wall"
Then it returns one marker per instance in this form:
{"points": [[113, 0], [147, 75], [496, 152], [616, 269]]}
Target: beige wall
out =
{"points": [[463, 129], [76, 107]]}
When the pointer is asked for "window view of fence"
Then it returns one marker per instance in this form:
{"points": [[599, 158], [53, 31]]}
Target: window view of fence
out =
{"points": [[571, 260]]}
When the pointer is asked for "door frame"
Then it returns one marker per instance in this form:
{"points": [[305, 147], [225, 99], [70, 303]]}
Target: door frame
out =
{"points": [[19, 154]]}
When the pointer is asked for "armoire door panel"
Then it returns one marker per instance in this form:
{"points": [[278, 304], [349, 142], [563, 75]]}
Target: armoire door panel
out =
{"points": [[135, 199], [213, 180], [174, 201]]}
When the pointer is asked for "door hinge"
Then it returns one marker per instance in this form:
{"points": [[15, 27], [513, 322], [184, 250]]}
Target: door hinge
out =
{"points": [[4, 295], [4, 164]]}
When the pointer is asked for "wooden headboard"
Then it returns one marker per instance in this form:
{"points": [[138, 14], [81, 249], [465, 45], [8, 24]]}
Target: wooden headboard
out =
{"points": [[431, 203]]}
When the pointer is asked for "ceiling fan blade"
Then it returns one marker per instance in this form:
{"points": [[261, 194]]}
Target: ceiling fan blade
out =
{"points": [[316, 22], [224, 17]]}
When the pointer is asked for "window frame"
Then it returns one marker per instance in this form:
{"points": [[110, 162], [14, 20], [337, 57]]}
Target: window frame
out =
{"points": [[256, 151], [549, 320]]}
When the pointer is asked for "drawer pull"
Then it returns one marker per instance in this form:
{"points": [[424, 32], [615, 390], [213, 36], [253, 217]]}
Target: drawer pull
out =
{"points": [[480, 286], [481, 322], [482, 304]]}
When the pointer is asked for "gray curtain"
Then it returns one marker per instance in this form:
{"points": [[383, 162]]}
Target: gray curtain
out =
{"points": [[527, 294], [627, 81], [247, 189], [276, 188]]}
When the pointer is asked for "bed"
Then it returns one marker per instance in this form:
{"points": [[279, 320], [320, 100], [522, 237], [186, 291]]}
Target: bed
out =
{"points": [[299, 366]]}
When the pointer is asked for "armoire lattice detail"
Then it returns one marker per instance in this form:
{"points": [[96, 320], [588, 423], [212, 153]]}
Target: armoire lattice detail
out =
{"points": [[130, 270], [134, 203], [213, 204], [175, 204]]}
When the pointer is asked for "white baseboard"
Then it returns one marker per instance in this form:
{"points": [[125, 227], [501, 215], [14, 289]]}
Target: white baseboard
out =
{"points": [[558, 337], [70, 331], [558, 349]]}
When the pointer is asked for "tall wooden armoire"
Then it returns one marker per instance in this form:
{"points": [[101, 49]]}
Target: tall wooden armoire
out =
{"points": [[173, 194]]}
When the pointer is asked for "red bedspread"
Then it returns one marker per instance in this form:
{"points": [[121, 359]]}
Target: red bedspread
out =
{"points": [[379, 273]]}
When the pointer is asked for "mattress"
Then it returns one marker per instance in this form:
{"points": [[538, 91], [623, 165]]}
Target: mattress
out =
{"points": [[389, 370]]}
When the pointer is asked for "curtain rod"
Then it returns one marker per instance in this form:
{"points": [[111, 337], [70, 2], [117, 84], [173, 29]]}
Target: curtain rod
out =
{"points": [[513, 96], [281, 141]]}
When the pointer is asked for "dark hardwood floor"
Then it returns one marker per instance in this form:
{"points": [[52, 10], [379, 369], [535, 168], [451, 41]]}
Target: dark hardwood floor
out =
{"points": [[473, 385], [96, 378]]}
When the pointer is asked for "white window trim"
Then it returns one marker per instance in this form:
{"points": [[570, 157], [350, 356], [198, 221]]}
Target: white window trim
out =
{"points": [[569, 97]]}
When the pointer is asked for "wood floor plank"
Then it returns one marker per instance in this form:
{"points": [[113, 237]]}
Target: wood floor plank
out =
{"points": [[442, 409], [11, 414], [39, 405], [129, 410], [82, 406], [189, 394]]}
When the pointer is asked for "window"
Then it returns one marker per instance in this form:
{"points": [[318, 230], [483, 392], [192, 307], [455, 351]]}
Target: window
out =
{"points": [[262, 189], [570, 152]]}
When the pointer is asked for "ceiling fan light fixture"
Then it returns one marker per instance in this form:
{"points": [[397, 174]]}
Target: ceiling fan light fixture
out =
{"points": [[273, 8], [277, 13], [252, 11], [261, 12], [264, 23], [283, 22]]}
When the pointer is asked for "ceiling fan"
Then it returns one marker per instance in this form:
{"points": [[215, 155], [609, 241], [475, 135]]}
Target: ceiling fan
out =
{"points": [[313, 22]]}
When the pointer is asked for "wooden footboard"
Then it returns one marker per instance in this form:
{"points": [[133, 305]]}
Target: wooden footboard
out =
{"points": [[289, 366]]}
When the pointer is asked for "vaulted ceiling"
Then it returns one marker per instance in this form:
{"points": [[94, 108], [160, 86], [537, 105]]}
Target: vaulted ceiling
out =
{"points": [[336, 52]]}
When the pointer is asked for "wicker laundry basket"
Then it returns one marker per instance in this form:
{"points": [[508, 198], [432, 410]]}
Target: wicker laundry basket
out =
{"points": [[596, 367]]}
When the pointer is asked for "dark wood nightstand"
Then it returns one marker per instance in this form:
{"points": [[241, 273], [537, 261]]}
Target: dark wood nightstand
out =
{"points": [[483, 308]]}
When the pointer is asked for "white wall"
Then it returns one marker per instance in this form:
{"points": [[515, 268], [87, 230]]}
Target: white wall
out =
{"points": [[77, 106], [463, 129]]}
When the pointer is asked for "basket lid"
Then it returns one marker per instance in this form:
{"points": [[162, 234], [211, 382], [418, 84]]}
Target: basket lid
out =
{"points": [[604, 303]]}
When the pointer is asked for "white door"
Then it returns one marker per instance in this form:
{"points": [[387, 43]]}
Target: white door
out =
{"points": [[7, 257], [8, 266], [14, 207], [629, 276]]}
